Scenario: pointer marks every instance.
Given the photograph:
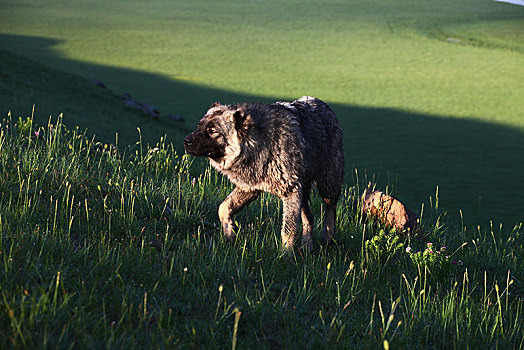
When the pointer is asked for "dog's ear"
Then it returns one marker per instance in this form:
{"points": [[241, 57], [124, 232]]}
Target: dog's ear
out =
{"points": [[215, 104], [242, 120]]}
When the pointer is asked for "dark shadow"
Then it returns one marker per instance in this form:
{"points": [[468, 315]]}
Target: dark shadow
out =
{"points": [[478, 167]]}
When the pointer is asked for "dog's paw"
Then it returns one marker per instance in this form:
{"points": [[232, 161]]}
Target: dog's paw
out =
{"points": [[327, 236], [230, 230], [287, 242], [307, 244]]}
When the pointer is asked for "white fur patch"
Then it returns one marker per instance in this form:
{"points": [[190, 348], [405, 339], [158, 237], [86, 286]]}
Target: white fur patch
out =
{"points": [[288, 105], [307, 98], [212, 110]]}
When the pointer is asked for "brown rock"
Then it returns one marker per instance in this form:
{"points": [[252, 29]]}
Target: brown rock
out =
{"points": [[389, 210]]}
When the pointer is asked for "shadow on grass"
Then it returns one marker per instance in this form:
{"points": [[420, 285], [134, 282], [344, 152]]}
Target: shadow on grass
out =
{"points": [[477, 166]]}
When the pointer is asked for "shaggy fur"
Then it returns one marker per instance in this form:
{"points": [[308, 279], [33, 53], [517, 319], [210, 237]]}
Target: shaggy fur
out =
{"points": [[281, 148]]}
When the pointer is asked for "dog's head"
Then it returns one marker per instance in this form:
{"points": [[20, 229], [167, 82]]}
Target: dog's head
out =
{"points": [[219, 132]]}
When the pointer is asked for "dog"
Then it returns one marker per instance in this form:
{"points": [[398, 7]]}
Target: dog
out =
{"points": [[282, 148]]}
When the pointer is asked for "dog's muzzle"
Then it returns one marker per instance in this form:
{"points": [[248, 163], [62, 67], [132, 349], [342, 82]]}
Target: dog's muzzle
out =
{"points": [[188, 142]]}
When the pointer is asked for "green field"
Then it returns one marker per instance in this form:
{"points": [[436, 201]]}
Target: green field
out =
{"points": [[429, 93], [106, 250]]}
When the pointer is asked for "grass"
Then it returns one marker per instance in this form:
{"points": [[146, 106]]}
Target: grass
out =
{"points": [[102, 249], [28, 88], [122, 249], [428, 93]]}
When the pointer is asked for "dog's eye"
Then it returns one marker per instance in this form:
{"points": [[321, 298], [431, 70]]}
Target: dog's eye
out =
{"points": [[212, 131]]}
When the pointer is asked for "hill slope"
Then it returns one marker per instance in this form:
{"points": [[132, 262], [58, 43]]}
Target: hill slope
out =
{"points": [[24, 83], [452, 58]]}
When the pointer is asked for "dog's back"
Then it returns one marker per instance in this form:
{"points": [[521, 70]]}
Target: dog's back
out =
{"points": [[323, 153]]}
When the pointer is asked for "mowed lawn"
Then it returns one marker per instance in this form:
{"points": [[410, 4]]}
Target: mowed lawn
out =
{"points": [[429, 93]]}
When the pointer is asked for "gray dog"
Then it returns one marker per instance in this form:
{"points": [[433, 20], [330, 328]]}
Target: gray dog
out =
{"points": [[280, 148]]}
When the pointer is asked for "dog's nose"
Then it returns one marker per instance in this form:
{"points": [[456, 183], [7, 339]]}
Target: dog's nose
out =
{"points": [[188, 141]]}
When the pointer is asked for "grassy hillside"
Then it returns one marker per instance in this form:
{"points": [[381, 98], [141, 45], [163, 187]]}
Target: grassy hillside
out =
{"points": [[393, 54], [101, 249], [365, 53], [429, 93], [24, 83]]}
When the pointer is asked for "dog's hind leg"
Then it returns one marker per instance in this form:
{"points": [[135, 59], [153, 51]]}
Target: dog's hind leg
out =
{"points": [[329, 186], [330, 192], [307, 220], [329, 221], [292, 203], [236, 200]]}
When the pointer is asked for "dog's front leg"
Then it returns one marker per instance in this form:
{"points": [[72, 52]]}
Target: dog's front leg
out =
{"points": [[236, 200], [291, 218]]}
